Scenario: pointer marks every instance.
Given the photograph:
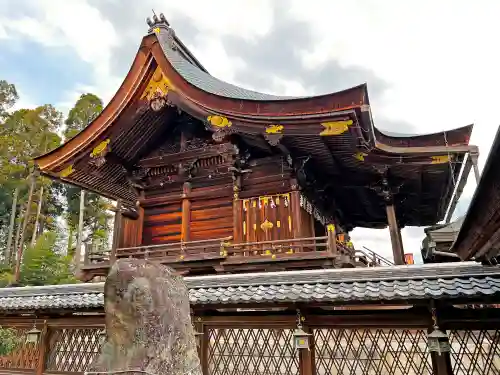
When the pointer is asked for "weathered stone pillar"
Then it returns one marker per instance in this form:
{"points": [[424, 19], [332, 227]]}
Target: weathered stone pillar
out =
{"points": [[148, 321]]}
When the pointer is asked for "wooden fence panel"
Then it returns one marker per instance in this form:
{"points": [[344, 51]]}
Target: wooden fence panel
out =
{"points": [[241, 351], [26, 356], [475, 352], [73, 350], [371, 352]]}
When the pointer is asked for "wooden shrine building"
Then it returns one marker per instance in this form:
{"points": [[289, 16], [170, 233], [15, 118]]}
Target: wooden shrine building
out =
{"points": [[211, 177]]}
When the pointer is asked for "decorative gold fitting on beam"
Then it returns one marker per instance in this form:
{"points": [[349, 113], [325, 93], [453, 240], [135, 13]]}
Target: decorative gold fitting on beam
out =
{"points": [[219, 121], [335, 127], [67, 171]]}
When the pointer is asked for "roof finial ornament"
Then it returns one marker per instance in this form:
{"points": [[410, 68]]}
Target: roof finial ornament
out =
{"points": [[157, 24]]}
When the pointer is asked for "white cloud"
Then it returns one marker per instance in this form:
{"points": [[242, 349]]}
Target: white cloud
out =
{"points": [[247, 19], [211, 53], [24, 101], [75, 25], [3, 32]]}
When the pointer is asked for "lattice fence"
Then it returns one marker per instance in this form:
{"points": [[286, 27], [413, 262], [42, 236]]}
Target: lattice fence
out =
{"points": [[73, 350], [475, 352], [252, 352], [371, 352], [25, 356]]}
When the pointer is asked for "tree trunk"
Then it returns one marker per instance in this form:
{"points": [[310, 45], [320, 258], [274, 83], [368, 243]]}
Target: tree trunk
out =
{"points": [[23, 230], [79, 239], [69, 250], [18, 232], [37, 218], [8, 250]]}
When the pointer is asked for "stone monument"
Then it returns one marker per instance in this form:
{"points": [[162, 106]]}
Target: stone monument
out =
{"points": [[148, 322]]}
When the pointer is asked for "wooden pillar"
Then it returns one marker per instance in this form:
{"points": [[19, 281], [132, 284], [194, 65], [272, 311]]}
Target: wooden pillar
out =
{"points": [[441, 363], [186, 212], [295, 207], [332, 238], [474, 158], [117, 231], [237, 211], [43, 349], [306, 357], [394, 231], [204, 349], [140, 223]]}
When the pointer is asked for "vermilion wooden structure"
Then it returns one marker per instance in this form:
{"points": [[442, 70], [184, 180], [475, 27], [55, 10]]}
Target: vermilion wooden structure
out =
{"points": [[211, 177]]}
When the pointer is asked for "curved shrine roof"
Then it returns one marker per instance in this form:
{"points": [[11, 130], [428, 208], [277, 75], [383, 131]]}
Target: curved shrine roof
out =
{"points": [[335, 131]]}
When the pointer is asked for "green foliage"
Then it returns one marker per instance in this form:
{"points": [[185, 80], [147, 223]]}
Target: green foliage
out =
{"points": [[6, 275], [24, 135], [9, 341], [43, 266], [96, 219], [8, 97], [85, 110]]}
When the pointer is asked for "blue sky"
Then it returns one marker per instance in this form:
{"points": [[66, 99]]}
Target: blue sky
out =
{"points": [[429, 65], [42, 74]]}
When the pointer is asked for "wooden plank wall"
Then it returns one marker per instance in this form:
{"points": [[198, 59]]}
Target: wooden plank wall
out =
{"points": [[162, 223], [265, 194], [211, 218], [130, 232]]}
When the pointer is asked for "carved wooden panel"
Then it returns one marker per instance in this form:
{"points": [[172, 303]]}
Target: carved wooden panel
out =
{"points": [[269, 176]]}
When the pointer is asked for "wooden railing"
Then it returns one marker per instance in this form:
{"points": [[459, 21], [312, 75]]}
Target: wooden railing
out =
{"points": [[225, 250], [371, 258], [171, 251]]}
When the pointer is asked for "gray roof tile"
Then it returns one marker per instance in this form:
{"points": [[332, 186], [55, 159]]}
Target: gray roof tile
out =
{"points": [[439, 281], [207, 82]]}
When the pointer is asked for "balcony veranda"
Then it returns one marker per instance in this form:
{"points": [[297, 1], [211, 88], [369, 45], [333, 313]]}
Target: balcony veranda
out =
{"points": [[223, 256]]}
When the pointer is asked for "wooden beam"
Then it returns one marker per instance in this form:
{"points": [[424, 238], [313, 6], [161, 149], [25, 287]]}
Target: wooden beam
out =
{"points": [[186, 156], [140, 224], [395, 233], [306, 357], [332, 238], [43, 350], [117, 232], [441, 363], [295, 207]]}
